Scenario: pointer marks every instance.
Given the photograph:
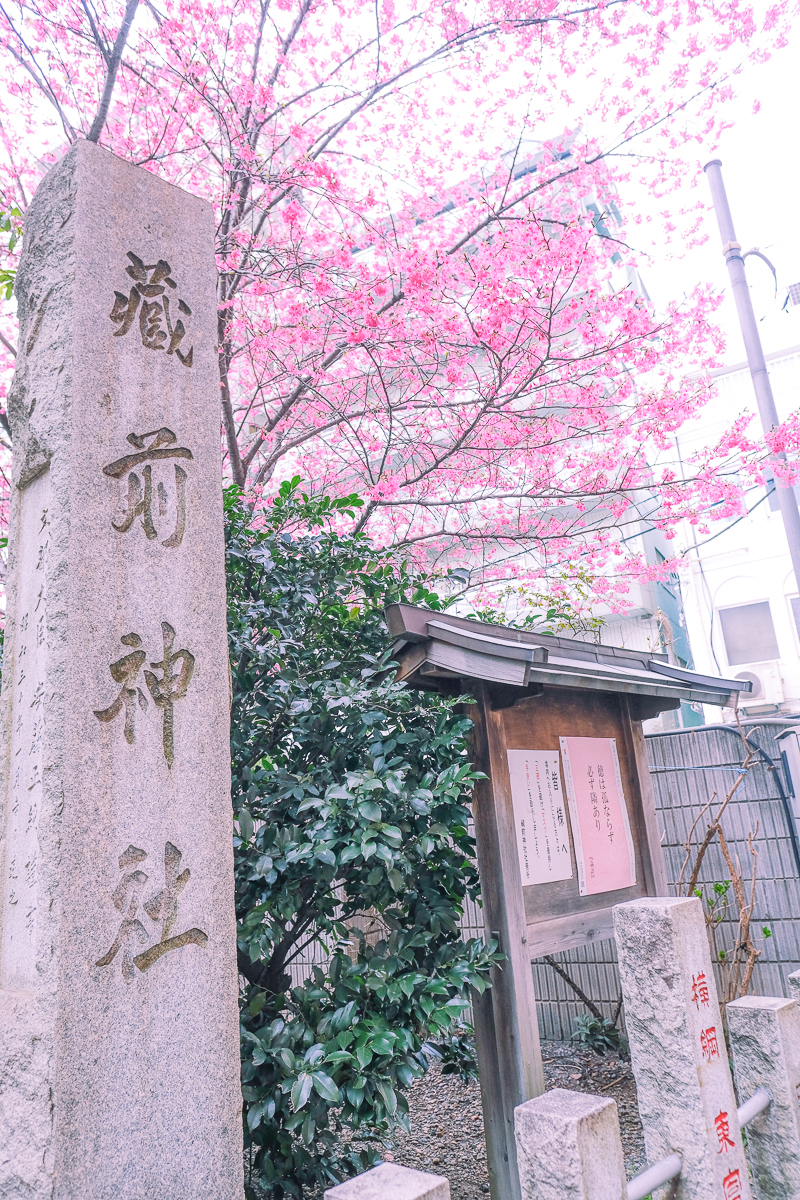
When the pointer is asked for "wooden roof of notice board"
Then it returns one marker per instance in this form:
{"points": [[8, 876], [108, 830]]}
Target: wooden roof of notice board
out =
{"points": [[432, 647]]}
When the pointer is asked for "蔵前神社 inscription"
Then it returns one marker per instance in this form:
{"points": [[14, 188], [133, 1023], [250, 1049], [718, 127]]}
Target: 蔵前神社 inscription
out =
{"points": [[159, 328], [25, 762], [119, 1047], [601, 830], [161, 906], [164, 690], [154, 447], [539, 816]]}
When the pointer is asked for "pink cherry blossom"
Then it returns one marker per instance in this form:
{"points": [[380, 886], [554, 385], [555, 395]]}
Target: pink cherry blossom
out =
{"points": [[409, 307]]}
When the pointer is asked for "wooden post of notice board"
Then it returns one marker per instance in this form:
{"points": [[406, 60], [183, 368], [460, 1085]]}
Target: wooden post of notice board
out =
{"points": [[506, 1029]]}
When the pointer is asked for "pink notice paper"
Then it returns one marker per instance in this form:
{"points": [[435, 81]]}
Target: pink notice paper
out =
{"points": [[601, 830]]}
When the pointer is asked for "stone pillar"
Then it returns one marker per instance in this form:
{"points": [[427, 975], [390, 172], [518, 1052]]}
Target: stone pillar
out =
{"points": [[683, 1080], [765, 1044], [569, 1147], [390, 1181], [119, 1055]]}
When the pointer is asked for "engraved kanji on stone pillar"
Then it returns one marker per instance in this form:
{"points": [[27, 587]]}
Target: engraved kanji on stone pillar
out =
{"points": [[152, 448], [162, 907], [119, 1039], [171, 684], [160, 327]]}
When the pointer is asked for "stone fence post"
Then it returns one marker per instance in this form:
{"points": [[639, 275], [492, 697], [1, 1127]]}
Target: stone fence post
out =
{"points": [[569, 1147], [390, 1181], [765, 1044], [683, 1081]]}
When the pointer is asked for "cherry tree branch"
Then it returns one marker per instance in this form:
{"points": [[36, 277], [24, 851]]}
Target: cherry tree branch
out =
{"points": [[112, 65], [38, 76]]}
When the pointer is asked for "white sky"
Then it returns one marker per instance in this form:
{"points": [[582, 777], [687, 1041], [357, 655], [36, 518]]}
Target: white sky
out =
{"points": [[762, 176]]}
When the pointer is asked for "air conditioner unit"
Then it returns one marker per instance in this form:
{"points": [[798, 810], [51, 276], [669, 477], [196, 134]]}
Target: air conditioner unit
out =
{"points": [[767, 685]]}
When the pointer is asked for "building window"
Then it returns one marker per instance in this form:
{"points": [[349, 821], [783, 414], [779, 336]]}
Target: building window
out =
{"points": [[795, 603], [748, 633]]}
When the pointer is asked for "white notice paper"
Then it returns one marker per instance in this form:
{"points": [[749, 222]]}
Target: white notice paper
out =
{"points": [[539, 816]]}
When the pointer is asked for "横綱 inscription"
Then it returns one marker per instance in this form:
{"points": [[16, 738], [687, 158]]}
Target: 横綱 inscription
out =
{"points": [[172, 683], [161, 906], [158, 326], [151, 448]]}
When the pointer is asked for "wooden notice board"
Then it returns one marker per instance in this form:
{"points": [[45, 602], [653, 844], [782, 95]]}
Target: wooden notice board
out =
{"points": [[557, 916], [565, 820]]}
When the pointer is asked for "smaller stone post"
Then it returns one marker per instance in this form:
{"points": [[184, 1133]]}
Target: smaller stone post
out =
{"points": [[765, 1043], [569, 1147], [794, 985], [390, 1181], [683, 1081]]}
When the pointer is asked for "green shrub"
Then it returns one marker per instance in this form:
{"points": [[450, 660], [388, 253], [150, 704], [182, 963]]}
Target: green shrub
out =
{"points": [[350, 793], [598, 1035]]}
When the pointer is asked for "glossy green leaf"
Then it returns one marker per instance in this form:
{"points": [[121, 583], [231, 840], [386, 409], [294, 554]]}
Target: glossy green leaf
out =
{"points": [[301, 1090]]}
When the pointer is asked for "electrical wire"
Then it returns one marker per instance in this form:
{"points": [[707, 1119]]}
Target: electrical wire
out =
{"points": [[719, 533]]}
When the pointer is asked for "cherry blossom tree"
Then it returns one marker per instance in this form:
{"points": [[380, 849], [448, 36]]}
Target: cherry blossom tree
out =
{"points": [[425, 294]]}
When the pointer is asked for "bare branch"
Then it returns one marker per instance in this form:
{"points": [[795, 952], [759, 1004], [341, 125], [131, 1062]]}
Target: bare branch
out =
{"points": [[38, 76], [112, 68], [559, 970]]}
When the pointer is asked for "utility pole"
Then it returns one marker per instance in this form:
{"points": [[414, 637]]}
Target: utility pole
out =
{"points": [[755, 354]]}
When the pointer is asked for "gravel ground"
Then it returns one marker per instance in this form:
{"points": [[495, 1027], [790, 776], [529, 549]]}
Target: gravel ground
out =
{"points": [[447, 1123]]}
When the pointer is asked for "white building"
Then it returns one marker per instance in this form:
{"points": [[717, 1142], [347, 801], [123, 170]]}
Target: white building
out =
{"points": [[739, 592]]}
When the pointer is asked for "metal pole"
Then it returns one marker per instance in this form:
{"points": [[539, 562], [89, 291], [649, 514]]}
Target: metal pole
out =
{"points": [[755, 354], [668, 1168]]}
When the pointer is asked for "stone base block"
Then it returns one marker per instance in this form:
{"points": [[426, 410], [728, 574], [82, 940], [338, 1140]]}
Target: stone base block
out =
{"points": [[390, 1181], [569, 1148]]}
